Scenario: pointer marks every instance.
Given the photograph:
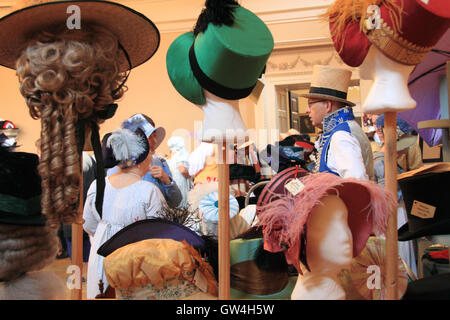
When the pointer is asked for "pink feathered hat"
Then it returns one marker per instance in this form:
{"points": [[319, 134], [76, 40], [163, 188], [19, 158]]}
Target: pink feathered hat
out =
{"points": [[284, 220]]}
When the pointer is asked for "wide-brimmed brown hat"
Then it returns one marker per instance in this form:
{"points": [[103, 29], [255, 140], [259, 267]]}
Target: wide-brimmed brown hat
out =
{"points": [[138, 35], [330, 83]]}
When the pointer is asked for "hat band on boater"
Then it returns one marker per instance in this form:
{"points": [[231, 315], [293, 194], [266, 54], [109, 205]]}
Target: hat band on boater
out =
{"points": [[329, 92], [211, 85]]}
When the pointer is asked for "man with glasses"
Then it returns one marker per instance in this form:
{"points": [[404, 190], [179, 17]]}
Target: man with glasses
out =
{"points": [[344, 148]]}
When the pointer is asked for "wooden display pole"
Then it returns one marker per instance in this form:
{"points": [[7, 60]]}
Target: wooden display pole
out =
{"points": [[390, 167], [77, 241], [224, 225]]}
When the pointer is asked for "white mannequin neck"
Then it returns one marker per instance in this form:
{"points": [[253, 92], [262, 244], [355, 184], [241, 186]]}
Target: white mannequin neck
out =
{"points": [[318, 286], [389, 91], [222, 121], [329, 249]]}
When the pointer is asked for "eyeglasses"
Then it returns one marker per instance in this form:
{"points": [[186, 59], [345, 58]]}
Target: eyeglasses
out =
{"points": [[311, 103]]}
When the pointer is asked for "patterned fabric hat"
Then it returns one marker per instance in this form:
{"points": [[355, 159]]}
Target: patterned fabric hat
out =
{"points": [[150, 229], [209, 214], [138, 121], [404, 30], [159, 269]]}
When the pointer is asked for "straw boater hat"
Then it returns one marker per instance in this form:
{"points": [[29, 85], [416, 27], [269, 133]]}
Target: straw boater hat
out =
{"points": [[407, 30], [330, 83], [138, 36]]}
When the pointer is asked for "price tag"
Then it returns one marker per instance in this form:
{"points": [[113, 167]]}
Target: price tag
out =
{"points": [[295, 186], [422, 210], [200, 281]]}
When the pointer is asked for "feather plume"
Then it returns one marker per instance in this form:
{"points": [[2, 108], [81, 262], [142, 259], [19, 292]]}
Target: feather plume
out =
{"points": [[341, 12], [284, 220], [217, 12], [125, 144], [185, 216], [138, 121]]}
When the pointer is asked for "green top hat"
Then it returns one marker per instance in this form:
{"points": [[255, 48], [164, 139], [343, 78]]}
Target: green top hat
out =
{"points": [[225, 54]]}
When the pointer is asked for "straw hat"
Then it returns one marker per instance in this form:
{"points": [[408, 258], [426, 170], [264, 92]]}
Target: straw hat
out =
{"points": [[330, 83], [138, 35]]}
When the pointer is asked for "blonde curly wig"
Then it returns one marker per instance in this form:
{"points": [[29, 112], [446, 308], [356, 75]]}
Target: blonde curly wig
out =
{"points": [[65, 77]]}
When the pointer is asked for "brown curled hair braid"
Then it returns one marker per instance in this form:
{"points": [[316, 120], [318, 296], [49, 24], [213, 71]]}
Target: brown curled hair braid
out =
{"points": [[65, 77]]}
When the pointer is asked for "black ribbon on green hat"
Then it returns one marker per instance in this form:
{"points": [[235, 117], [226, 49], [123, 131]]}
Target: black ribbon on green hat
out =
{"points": [[213, 86]]}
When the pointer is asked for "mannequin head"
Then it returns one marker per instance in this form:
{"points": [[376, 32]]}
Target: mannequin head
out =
{"points": [[329, 249], [324, 225], [329, 245], [389, 91], [222, 121], [386, 39]]}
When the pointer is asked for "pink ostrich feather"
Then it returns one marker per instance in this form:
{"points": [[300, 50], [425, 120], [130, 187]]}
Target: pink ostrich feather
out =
{"points": [[284, 219]]}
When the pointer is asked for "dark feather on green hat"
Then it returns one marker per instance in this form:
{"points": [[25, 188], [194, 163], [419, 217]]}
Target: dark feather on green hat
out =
{"points": [[217, 12]]}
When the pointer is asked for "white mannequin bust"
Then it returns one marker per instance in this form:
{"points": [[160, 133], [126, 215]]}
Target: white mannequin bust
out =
{"points": [[389, 91], [222, 121], [329, 249]]}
